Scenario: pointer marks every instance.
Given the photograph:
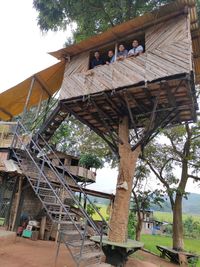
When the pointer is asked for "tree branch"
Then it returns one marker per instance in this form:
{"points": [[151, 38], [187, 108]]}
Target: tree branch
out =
{"points": [[194, 177], [160, 178], [161, 171], [174, 147]]}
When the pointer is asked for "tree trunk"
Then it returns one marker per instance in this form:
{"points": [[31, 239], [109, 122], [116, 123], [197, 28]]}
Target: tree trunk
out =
{"points": [[120, 212], [139, 218], [178, 243], [138, 228]]}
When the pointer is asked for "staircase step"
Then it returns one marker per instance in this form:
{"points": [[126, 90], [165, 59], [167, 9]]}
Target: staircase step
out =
{"points": [[59, 212], [54, 204], [91, 257], [70, 236], [79, 243], [64, 223], [50, 196]]}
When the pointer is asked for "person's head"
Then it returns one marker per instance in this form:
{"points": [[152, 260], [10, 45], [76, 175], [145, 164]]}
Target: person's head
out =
{"points": [[97, 54], [135, 43], [121, 47], [110, 53]]}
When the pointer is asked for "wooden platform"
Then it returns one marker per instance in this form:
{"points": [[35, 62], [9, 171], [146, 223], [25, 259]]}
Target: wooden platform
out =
{"points": [[174, 255], [176, 103], [129, 245], [117, 253]]}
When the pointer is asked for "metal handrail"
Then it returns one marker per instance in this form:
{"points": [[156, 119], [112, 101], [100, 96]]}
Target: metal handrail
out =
{"points": [[63, 182], [71, 176], [46, 180], [42, 116]]}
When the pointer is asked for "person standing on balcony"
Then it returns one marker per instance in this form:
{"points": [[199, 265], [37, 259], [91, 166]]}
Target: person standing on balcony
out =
{"points": [[97, 60], [122, 52], [136, 50], [111, 57]]}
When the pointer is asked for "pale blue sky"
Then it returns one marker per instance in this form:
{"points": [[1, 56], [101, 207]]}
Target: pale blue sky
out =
{"points": [[23, 47]]}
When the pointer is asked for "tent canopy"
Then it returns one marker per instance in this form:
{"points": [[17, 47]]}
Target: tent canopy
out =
{"points": [[45, 84]]}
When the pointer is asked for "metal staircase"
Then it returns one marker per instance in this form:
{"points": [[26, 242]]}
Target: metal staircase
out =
{"points": [[35, 165], [57, 116]]}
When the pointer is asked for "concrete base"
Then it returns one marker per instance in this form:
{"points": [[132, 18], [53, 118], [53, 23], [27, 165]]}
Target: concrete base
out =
{"points": [[7, 238]]}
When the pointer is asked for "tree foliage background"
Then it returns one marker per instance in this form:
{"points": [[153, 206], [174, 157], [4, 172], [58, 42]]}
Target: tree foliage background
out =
{"points": [[91, 16]]}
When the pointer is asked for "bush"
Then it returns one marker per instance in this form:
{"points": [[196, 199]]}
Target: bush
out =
{"points": [[90, 161], [132, 221]]}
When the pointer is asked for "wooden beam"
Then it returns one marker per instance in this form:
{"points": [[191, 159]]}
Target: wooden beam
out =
{"points": [[6, 112], [96, 130], [131, 115], [113, 105], [163, 123], [171, 97], [153, 114], [101, 111], [141, 108], [28, 98], [42, 84], [109, 129], [148, 95], [17, 202]]}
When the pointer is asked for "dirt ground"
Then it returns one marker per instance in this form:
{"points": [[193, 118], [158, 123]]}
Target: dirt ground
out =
{"points": [[28, 253], [144, 259]]}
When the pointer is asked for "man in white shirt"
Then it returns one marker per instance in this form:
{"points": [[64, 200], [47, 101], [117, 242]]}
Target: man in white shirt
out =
{"points": [[136, 50]]}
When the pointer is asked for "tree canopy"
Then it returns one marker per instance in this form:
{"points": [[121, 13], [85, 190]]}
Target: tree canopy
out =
{"points": [[92, 16], [173, 159]]}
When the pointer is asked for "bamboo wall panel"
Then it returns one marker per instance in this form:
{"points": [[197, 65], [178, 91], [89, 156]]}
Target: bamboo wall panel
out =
{"points": [[168, 52]]}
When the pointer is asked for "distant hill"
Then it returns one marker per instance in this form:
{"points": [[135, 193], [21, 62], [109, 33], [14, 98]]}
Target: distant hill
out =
{"points": [[190, 205]]}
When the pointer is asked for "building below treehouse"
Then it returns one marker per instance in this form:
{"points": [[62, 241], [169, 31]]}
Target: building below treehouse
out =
{"points": [[17, 197]]}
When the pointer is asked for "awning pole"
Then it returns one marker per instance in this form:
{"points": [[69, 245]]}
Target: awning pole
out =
{"points": [[28, 98], [39, 106]]}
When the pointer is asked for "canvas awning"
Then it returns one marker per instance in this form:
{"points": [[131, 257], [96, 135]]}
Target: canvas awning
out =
{"points": [[46, 83]]}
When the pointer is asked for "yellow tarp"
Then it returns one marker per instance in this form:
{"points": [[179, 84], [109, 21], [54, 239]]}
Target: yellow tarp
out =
{"points": [[12, 101]]}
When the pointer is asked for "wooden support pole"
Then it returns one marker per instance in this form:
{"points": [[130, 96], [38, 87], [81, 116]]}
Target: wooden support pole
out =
{"points": [[46, 109], [28, 98], [7, 219], [42, 227], [127, 164], [18, 196], [62, 196], [116, 50], [39, 106]]}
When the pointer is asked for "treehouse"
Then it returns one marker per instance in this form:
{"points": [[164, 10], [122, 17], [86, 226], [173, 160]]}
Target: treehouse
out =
{"points": [[167, 70]]}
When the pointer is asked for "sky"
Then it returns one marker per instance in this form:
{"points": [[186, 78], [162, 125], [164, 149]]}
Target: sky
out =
{"points": [[24, 51]]}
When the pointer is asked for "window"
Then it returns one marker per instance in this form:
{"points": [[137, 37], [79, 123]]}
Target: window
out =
{"points": [[74, 162], [103, 51]]}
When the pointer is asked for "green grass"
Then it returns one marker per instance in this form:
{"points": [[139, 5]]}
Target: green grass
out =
{"points": [[150, 242], [2, 221], [167, 216], [103, 211]]}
